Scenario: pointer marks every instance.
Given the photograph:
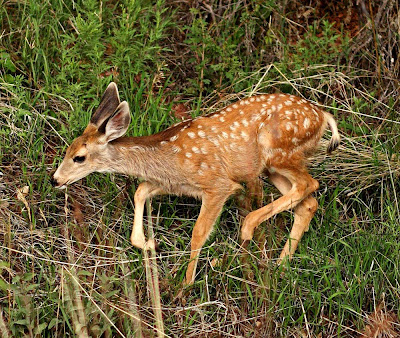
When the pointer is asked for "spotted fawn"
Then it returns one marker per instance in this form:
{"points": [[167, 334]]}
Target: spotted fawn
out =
{"points": [[210, 158]]}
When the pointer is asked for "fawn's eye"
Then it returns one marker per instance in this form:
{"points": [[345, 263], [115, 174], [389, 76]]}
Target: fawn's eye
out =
{"points": [[79, 159]]}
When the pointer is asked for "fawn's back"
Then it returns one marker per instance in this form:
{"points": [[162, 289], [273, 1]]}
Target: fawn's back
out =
{"points": [[242, 140]]}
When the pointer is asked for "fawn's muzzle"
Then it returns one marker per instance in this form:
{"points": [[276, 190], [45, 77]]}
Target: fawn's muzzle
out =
{"points": [[53, 181]]}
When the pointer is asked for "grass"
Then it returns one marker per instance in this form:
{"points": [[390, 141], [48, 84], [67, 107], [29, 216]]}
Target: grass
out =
{"points": [[66, 265]]}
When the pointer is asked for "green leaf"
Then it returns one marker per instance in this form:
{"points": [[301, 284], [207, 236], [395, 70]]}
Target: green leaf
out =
{"points": [[53, 323], [4, 285], [40, 328]]}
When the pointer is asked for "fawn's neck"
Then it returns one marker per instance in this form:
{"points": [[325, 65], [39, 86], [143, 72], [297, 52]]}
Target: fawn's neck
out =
{"points": [[142, 157]]}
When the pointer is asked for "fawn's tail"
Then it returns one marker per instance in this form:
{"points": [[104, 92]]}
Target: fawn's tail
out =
{"points": [[335, 140]]}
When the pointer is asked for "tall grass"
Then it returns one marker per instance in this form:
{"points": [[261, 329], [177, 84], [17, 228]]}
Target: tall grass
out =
{"points": [[66, 265]]}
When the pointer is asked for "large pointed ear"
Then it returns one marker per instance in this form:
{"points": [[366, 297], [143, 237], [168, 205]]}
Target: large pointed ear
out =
{"points": [[108, 104], [118, 123]]}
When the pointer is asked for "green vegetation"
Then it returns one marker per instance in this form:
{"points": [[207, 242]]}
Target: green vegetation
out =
{"points": [[66, 264]]}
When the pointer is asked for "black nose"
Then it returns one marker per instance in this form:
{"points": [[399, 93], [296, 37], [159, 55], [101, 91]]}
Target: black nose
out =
{"points": [[53, 182]]}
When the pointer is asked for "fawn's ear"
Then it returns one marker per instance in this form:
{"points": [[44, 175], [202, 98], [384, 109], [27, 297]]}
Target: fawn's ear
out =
{"points": [[108, 104], [118, 123]]}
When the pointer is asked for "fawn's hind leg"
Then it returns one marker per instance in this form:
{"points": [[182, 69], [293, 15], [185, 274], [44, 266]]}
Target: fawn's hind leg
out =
{"points": [[252, 196], [303, 214], [302, 185]]}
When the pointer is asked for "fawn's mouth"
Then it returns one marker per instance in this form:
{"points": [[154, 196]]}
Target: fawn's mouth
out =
{"points": [[56, 185]]}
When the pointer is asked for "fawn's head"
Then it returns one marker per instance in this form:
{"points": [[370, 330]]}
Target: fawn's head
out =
{"points": [[88, 153]]}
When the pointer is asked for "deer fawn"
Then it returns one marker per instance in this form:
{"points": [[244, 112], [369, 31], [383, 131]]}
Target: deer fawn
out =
{"points": [[209, 157]]}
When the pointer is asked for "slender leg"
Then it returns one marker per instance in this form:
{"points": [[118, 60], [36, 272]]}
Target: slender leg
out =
{"points": [[303, 214], [302, 185], [209, 212], [252, 196], [144, 191]]}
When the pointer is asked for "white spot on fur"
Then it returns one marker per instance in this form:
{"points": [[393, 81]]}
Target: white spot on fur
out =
{"points": [[213, 141], [188, 155], [173, 138], [201, 133], [232, 135], [203, 150], [255, 117], [252, 99], [241, 112], [229, 109], [272, 97], [196, 150], [163, 142], [288, 126], [288, 103], [214, 128], [306, 122], [273, 108], [288, 112], [280, 106], [191, 134], [203, 165], [235, 106], [295, 140], [244, 135], [245, 122], [261, 125], [176, 149], [236, 124], [224, 134], [222, 119], [241, 102], [258, 99], [262, 97]]}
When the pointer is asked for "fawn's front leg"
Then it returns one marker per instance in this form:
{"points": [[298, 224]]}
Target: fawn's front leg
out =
{"points": [[144, 191], [210, 209]]}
